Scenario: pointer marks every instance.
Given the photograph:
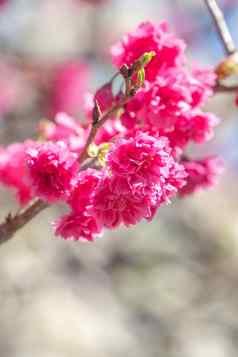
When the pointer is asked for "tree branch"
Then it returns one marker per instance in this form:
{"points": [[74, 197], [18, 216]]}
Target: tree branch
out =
{"points": [[221, 88], [12, 223], [221, 26], [95, 126]]}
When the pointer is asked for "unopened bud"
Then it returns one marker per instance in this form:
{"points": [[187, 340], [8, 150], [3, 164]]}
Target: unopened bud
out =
{"points": [[228, 67], [96, 112], [140, 77], [93, 150]]}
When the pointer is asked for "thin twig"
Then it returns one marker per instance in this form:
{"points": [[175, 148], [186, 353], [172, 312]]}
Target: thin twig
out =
{"points": [[221, 26], [221, 88], [13, 223], [94, 128]]}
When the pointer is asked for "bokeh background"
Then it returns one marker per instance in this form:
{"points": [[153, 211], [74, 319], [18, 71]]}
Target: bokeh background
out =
{"points": [[165, 289]]}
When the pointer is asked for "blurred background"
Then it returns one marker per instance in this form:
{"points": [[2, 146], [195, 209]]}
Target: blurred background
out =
{"points": [[169, 288]]}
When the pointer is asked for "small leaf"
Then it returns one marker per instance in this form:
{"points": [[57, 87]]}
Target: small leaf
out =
{"points": [[141, 77], [146, 58], [228, 67]]}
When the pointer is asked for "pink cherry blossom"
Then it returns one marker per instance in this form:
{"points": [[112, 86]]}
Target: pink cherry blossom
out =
{"points": [[13, 170], [142, 175], [83, 189], [77, 226], [147, 37], [52, 168], [202, 174], [116, 201], [145, 159], [202, 83], [160, 103], [193, 126], [142, 158]]}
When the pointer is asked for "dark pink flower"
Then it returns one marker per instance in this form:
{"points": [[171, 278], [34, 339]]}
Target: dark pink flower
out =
{"points": [[77, 226], [13, 170], [116, 201], [199, 83], [202, 82], [147, 37], [193, 126], [83, 189], [174, 182], [160, 103], [141, 158], [52, 168], [157, 105], [202, 174], [142, 175]]}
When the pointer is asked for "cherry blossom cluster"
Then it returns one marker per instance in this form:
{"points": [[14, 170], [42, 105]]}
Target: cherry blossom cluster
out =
{"points": [[137, 160]]}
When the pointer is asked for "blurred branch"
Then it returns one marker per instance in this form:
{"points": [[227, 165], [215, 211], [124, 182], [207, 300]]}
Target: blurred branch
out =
{"points": [[221, 88], [221, 26]]}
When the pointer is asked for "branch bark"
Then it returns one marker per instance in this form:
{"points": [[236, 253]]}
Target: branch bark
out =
{"points": [[99, 123], [221, 88], [13, 223], [221, 26]]}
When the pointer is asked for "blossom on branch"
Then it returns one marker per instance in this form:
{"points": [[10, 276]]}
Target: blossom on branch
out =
{"points": [[202, 174], [52, 168], [129, 157], [13, 170], [147, 37]]}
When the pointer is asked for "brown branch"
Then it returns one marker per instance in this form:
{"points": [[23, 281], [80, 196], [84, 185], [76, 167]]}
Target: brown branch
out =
{"points": [[221, 26], [13, 223], [98, 118], [221, 88], [95, 126]]}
